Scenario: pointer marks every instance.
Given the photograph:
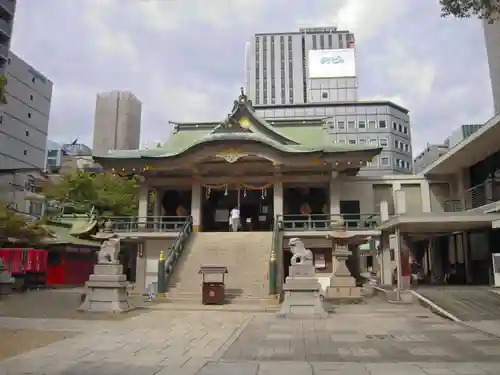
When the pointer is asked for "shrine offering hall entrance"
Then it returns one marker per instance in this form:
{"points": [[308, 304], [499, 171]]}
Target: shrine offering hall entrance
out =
{"points": [[254, 202]]}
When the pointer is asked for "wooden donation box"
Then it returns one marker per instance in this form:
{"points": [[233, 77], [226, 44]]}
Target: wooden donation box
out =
{"points": [[213, 289]]}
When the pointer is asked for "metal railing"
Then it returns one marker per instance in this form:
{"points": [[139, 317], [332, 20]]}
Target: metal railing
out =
{"points": [[483, 194], [173, 255], [324, 222], [453, 205], [148, 223]]}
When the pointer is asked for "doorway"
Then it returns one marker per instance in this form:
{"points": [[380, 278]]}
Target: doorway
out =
{"points": [[255, 205]]}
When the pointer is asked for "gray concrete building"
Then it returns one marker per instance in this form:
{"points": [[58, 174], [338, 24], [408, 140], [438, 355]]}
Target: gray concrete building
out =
{"points": [[279, 71], [378, 123], [492, 38], [25, 116], [7, 12], [434, 151], [117, 123]]}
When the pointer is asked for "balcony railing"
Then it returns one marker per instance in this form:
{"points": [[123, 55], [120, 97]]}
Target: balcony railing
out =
{"points": [[324, 222], [148, 223], [8, 5], [5, 27], [483, 194]]}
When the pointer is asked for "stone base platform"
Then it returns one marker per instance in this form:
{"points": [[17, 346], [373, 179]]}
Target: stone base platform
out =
{"points": [[107, 290]]}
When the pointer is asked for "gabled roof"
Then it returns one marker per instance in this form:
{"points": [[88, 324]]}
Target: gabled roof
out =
{"points": [[243, 124]]}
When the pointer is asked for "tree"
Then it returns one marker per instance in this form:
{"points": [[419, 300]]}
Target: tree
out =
{"points": [[483, 9], [107, 193], [17, 227]]}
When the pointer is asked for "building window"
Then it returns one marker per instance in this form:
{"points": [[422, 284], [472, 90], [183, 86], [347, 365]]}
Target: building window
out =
{"points": [[341, 42], [384, 142], [352, 141], [408, 165], [371, 124], [361, 124], [400, 128], [324, 95], [341, 125], [395, 126], [405, 130], [384, 161], [321, 41], [396, 143], [382, 124], [31, 97], [33, 79], [1, 119], [27, 133], [362, 141], [341, 141], [25, 152], [29, 115], [373, 141], [314, 42], [351, 124], [407, 147], [330, 41]]}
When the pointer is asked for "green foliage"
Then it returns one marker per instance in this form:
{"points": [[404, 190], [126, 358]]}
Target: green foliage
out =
{"points": [[109, 194], [3, 83], [16, 226], [484, 9]]}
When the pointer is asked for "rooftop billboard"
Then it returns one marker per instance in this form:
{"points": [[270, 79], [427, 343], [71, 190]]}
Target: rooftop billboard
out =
{"points": [[332, 63]]}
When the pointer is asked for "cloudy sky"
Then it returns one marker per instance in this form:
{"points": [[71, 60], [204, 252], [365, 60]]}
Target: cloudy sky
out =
{"points": [[185, 58]]}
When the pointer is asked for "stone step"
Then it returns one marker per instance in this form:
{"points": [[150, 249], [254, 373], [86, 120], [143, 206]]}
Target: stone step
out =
{"points": [[245, 254]]}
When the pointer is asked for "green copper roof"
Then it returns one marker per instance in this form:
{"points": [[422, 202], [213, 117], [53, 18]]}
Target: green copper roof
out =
{"points": [[299, 137]]}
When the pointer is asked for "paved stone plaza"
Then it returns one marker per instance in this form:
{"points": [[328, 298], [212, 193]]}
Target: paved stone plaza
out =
{"points": [[369, 339]]}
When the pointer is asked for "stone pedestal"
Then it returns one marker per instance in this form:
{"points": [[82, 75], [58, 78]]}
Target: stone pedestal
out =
{"points": [[6, 280], [342, 284], [106, 290], [302, 294]]}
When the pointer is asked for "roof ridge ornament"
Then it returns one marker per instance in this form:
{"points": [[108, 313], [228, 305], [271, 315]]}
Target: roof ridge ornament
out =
{"points": [[243, 98]]}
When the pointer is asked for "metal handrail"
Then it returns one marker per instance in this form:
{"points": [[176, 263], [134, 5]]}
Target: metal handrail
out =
{"points": [[177, 248], [483, 194], [148, 223], [324, 221]]}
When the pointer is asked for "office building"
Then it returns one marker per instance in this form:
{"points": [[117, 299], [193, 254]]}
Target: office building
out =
{"points": [[374, 123], [434, 151], [117, 124], [311, 75], [492, 38], [312, 65], [25, 116], [68, 157], [7, 12]]}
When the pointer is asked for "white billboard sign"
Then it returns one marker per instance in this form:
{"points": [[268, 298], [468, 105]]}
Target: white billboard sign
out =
{"points": [[332, 63]]}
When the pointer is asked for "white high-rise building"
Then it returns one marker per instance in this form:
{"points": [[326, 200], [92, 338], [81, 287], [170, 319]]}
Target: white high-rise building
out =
{"points": [[289, 68]]}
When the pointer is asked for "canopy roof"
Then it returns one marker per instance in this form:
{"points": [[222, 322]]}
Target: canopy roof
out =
{"points": [[446, 222], [244, 126]]}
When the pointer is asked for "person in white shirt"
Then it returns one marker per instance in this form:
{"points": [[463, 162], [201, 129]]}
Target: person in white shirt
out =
{"points": [[234, 219]]}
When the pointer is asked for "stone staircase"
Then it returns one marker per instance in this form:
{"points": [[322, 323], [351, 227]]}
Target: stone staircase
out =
{"points": [[246, 256]]}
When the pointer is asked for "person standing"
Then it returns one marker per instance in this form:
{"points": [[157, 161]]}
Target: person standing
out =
{"points": [[234, 219]]}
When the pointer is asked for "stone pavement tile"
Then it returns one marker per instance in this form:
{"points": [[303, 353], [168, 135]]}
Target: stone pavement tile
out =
{"points": [[190, 367], [490, 368], [468, 369], [394, 369], [230, 368], [489, 350], [288, 368], [335, 368], [473, 336]]}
